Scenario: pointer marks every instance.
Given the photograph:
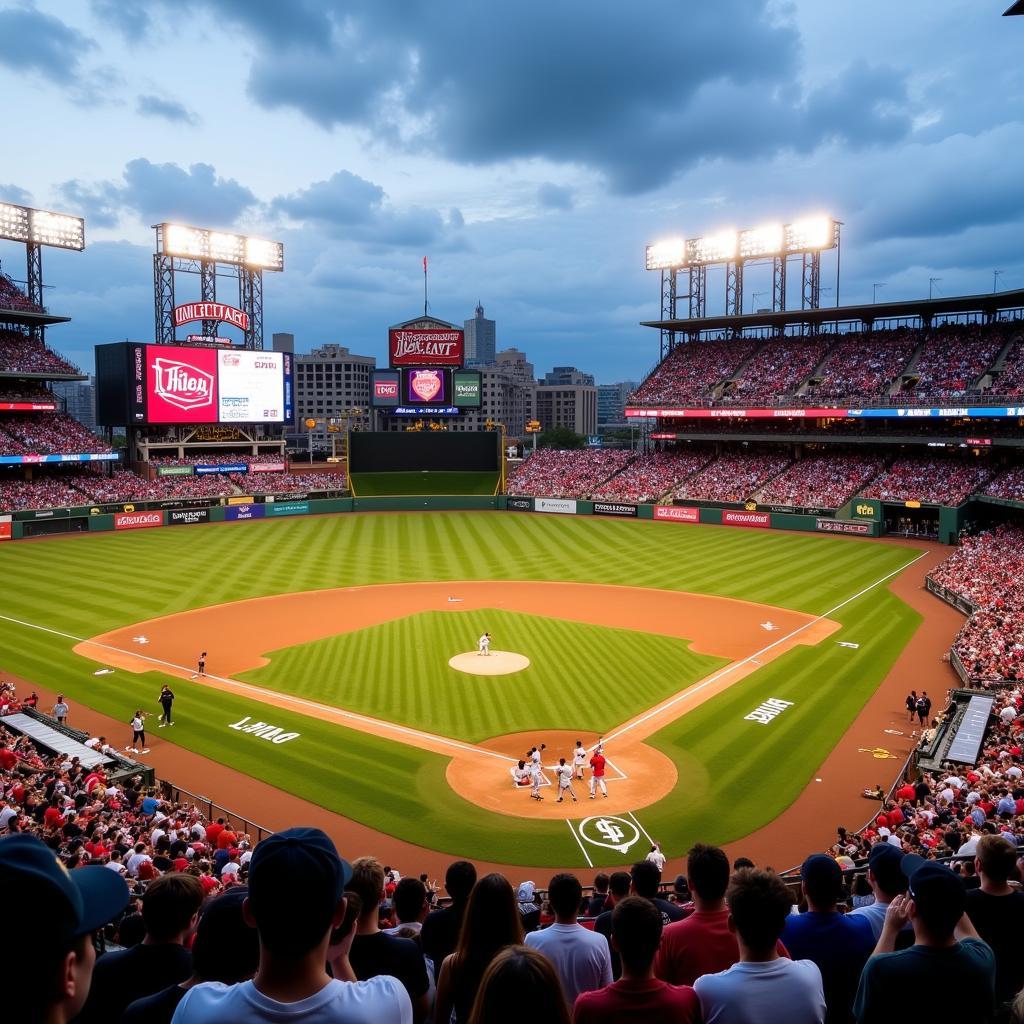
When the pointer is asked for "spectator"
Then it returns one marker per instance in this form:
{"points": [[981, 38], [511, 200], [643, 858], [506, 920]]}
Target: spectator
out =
{"points": [[948, 974], [598, 901], [996, 910], [51, 914], [645, 877], [887, 881], [226, 949], [440, 933], [375, 952], [763, 986], [619, 883], [491, 922], [410, 905], [581, 957], [520, 985], [291, 981], [170, 909], [638, 995], [528, 907], [656, 857], [839, 944]]}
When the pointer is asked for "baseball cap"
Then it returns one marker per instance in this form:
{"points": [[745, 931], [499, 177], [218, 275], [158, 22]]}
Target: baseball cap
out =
{"points": [[79, 901], [296, 856], [934, 887], [820, 869], [525, 892], [884, 861]]}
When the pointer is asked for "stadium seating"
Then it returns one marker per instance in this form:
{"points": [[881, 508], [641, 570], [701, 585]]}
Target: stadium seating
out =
{"points": [[943, 481], [48, 434], [1009, 484], [20, 354], [12, 297], [732, 477], [778, 367], [24, 391], [953, 359], [863, 365], [566, 474], [689, 374], [821, 481], [650, 475]]}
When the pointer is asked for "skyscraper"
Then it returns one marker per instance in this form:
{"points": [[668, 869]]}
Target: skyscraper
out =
{"points": [[480, 339]]}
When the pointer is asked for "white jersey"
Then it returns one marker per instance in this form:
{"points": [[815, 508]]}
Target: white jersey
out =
{"points": [[579, 757], [521, 775], [484, 642], [564, 773], [535, 762]]}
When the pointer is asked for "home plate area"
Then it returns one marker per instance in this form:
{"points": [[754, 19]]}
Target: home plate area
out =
{"points": [[497, 663]]}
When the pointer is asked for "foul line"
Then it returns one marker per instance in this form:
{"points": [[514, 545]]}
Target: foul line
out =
{"points": [[579, 842], [750, 658], [640, 827]]}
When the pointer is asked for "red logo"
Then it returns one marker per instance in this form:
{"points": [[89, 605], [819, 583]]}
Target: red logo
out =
{"points": [[435, 346], [677, 513], [137, 520], [210, 311], [759, 519], [385, 388], [182, 385], [425, 383]]}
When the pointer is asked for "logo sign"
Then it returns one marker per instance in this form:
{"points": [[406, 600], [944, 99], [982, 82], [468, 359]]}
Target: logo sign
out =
{"points": [[222, 467], [210, 311], [174, 470], [181, 384], [841, 526], [188, 516], [436, 346], [466, 389], [384, 388], [425, 385], [288, 508], [866, 509], [267, 467], [263, 730], [519, 504], [758, 519], [240, 512], [560, 505], [137, 520], [610, 832], [768, 711], [613, 508], [677, 513]]}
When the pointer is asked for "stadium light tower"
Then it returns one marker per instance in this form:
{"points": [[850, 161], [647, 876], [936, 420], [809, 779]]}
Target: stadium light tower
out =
{"points": [[932, 282], [874, 290]]}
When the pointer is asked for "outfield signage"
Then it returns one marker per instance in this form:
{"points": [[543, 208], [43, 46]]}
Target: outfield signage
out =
{"points": [[768, 711], [889, 412], [841, 526], [563, 506], [227, 467], [6, 528], [614, 508], [35, 460], [267, 467], [27, 406], [188, 516], [137, 520], [676, 514], [288, 508], [175, 470], [732, 517], [239, 512], [519, 504]]}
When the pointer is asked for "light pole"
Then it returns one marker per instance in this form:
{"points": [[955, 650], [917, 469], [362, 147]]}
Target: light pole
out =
{"points": [[932, 281], [753, 300], [995, 280], [874, 290]]}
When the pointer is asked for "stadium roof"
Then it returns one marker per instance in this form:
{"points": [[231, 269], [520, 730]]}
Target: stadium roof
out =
{"points": [[1014, 8], [28, 319], [990, 302]]}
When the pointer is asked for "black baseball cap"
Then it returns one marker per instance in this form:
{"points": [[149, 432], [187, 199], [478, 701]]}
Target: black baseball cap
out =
{"points": [[77, 902], [884, 859], [933, 885], [821, 870], [297, 856]]}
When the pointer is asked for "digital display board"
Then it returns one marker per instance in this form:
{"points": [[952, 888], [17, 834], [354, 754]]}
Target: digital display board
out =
{"points": [[425, 387], [467, 389], [385, 389]]}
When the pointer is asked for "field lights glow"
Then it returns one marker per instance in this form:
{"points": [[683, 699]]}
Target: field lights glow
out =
{"points": [[715, 248], [762, 241], [222, 247], [41, 227], [669, 253]]}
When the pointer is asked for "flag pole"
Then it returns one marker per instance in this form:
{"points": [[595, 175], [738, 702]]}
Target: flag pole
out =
{"points": [[424, 285]]}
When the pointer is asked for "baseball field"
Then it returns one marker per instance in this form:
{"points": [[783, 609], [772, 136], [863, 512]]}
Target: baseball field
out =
{"points": [[720, 666]]}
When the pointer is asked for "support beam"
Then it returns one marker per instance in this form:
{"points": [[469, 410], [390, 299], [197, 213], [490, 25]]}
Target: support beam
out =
{"points": [[698, 290], [34, 284], [669, 279], [208, 293], [163, 299]]}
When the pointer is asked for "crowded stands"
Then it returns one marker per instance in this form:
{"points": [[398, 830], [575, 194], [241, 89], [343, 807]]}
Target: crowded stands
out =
{"points": [[12, 297], [566, 474], [732, 477], [861, 365], [1009, 484], [953, 359], [777, 368], [651, 474], [47, 434], [821, 481], [21, 354], [692, 371], [942, 481], [23, 391], [1011, 379]]}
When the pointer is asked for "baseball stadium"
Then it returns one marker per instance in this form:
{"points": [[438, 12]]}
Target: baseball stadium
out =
{"points": [[783, 619]]}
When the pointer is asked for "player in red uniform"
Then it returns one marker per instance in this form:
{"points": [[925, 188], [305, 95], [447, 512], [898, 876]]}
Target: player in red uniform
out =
{"points": [[597, 763]]}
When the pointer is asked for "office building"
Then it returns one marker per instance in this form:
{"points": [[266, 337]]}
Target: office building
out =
{"points": [[480, 339], [79, 398], [611, 403], [283, 342], [567, 405], [329, 382], [568, 375]]}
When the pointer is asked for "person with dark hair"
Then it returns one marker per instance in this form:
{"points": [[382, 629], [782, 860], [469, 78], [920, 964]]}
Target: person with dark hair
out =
{"points": [[763, 985], [295, 939], [638, 995], [226, 949], [170, 910], [490, 923], [948, 974], [410, 904], [598, 901], [519, 985], [645, 877], [742, 862], [581, 958], [702, 943], [996, 910], [440, 932], [839, 944], [887, 881], [619, 883], [51, 914]]}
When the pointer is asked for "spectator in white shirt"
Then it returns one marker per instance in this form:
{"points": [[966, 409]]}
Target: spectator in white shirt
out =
{"points": [[582, 959], [657, 857]]}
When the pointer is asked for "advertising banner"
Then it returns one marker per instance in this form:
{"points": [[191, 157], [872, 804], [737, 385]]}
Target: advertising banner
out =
{"points": [[384, 388], [36, 460], [466, 389], [431, 346], [240, 512], [241, 499], [188, 516], [425, 387], [137, 520], [841, 526], [519, 504], [267, 467], [735, 518], [251, 387], [677, 514], [175, 470], [288, 508], [226, 467], [563, 506], [6, 528], [867, 508], [27, 406], [613, 508], [181, 384], [190, 311], [890, 412]]}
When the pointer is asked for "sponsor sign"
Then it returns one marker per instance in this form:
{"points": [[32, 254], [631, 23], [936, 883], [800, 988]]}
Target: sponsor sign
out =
{"points": [[36, 460], [240, 512], [890, 412], [768, 711], [226, 467], [730, 517], [613, 508], [190, 311], [6, 530], [241, 499], [385, 386], [188, 516], [181, 384], [208, 339], [288, 508], [267, 467], [27, 406], [425, 387], [466, 389], [841, 526], [519, 504], [425, 410], [137, 520], [563, 506], [426, 346], [677, 513], [251, 387], [175, 470]]}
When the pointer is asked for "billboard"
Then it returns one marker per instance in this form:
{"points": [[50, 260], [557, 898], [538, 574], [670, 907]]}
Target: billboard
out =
{"points": [[430, 346], [736, 518], [385, 388], [562, 506], [614, 508], [137, 520], [466, 389], [425, 387], [240, 512], [886, 412], [677, 514], [210, 311]]}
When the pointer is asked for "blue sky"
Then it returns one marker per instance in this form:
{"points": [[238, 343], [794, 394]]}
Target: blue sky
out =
{"points": [[529, 149]]}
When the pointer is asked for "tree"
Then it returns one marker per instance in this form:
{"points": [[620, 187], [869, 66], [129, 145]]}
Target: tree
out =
{"points": [[561, 437]]}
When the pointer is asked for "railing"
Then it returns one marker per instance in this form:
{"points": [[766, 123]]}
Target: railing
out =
{"points": [[840, 402], [212, 810]]}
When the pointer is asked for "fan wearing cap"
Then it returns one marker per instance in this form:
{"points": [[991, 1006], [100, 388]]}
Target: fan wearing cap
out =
{"points": [[948, 974], [887, 881], [296, 900], [56, 911]]}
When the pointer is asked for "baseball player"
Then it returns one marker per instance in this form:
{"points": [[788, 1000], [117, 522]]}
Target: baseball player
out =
{"points": [[579, 758], [201, 667], [166, 699], [597, 763], [483, 645], [535, 770], [565, 773], [522, 775]]}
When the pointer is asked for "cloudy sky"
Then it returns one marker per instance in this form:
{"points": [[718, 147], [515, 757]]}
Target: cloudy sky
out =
{"points": [[529, 149]]}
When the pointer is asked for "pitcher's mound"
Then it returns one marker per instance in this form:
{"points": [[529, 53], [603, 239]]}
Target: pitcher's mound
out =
{"points": [[497, 663]]}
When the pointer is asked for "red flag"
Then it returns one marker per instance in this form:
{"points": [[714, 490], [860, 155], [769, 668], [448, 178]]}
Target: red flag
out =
{"points": [[424, 264]]}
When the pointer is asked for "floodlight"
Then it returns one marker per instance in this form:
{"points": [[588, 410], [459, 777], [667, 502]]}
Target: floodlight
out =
{"points": [[225, 247], [221, 247], [669, 253], [763, 241], [41, 227], [810, 233], [180, 240], [259, 252], [713, 248]]}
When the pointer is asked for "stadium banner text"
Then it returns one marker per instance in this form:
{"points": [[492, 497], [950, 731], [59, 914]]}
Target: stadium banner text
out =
{"points": [[519, 504], [890, 412], [137, 520], [761, 520], [676, 514], [188, 516], [226, 467], [614, 508], [841, 526], [426, 346], [34, 460], [288, 508], [563, 506], [175, 470], [241, 512]]}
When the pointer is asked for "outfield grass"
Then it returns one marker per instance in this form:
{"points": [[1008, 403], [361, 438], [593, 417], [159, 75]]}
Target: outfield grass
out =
{"points": [[580, 676], [372, 485], [736, 775]]}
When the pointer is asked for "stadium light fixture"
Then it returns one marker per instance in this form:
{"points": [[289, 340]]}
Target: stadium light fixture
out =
{"points": [[811, 233], [763, 241], [669, 253], [221, 247], [718, 248], [41, 227]]}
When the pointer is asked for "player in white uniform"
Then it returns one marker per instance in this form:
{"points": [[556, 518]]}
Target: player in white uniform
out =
{"points": [[579, 758], [483, 645], [565, 773], [521, 774], [535, 770]]}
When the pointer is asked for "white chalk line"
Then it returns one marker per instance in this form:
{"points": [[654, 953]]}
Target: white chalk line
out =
{"points": [[579, 842]]}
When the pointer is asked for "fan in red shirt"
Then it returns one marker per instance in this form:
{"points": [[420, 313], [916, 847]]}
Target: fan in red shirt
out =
{"points": [[213, 831]]}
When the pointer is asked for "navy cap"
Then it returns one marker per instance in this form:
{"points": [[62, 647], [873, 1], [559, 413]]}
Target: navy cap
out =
{"points": [[80, 901], [933, 884], [304, 856], [884, 859], [821, 868]]}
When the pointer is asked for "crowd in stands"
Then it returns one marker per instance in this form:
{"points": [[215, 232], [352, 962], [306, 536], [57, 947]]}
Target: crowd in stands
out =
{"points": [[24, 391], [201, 925], [821, 481], [21, 354], [778, 367], [954, 358], [732, 477], [219, 459], [943, 481], [47, 434], [861, 365], [43, 492], [12, 297], [566, 474], [1009, 484], [1011, 378], [651, 474], [692, 371]]}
